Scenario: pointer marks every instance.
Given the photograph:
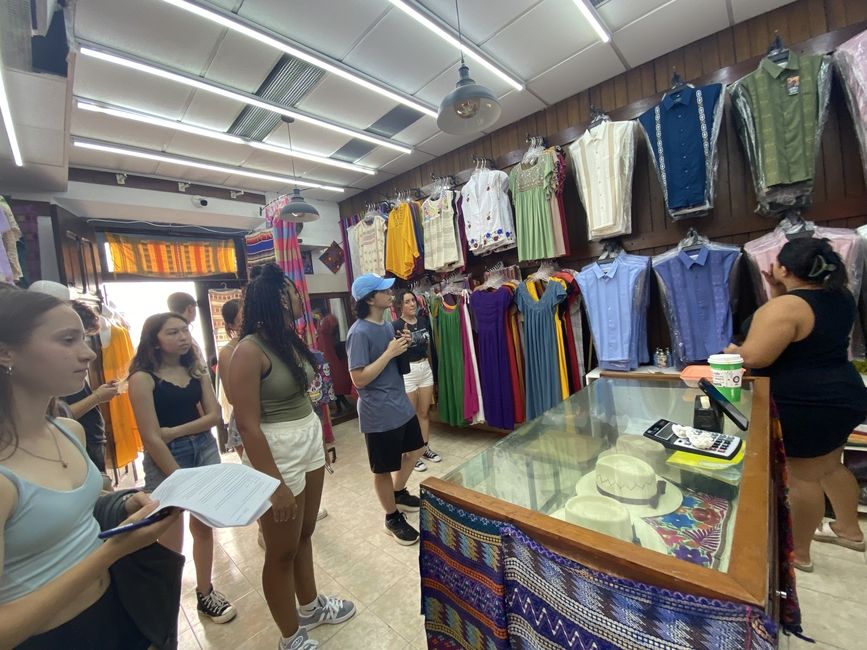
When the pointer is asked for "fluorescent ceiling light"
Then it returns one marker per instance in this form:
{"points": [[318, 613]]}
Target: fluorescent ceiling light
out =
{"points": [[245, 98], [6, 114], [197, 164], [470, 52], [279, 42], [136, 116], [593, 18]]}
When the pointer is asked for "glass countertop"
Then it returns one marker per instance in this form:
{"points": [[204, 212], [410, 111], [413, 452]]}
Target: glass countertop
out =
{"points": [[586, 462]]}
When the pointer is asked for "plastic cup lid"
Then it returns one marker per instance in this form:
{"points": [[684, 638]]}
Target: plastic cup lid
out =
{"points": [[725, 359]]}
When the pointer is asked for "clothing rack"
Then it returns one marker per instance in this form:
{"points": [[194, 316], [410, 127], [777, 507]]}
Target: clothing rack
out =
{"points": [[483, 163]]}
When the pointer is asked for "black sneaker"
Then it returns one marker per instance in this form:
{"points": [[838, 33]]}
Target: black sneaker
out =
{"points": [[406, 502], [215, 606], [405, 534]]}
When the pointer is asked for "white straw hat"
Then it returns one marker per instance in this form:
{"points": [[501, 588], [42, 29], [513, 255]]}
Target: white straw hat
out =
{"points": [[610, 517], [633, 483]]}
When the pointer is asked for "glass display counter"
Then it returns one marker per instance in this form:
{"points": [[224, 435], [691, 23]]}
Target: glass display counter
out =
{"points": [[584, 481]]}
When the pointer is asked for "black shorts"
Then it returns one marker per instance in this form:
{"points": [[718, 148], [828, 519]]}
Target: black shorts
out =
{"points": [[385, 448]]}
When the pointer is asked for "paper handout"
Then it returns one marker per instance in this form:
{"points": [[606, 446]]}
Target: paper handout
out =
{"points": [[220, 496]]}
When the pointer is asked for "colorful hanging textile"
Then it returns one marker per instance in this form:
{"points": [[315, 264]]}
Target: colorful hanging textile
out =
{"points": [[333, 257], [216, 299], [288, 253], [171, 257], [260, 249], [461, 578], [553, 602]]}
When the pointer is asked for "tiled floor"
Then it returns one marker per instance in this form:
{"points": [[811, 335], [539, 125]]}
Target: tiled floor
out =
{"points": [[356, 560]]}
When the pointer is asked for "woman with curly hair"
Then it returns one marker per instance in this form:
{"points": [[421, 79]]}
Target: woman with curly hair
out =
{"points": [[175, 407], [270, 372]]}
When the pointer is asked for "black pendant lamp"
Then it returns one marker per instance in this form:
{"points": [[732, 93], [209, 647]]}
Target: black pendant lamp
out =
{"points": [[297, 210], [470, 107]]}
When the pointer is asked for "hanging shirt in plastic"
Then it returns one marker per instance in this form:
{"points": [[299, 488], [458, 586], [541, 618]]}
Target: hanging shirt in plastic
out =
{"points": [[681, 134], [696, 291], [613, 293], [487, 212], [780, 110], [851, 62], [604, 159]]}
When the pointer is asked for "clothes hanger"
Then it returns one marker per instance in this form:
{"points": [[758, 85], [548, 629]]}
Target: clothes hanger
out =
{"points": [[598, 116], [611, 248], [677, 81], [545, 271], [777, 51], [794, 226], [692, 242], [537, 146]]}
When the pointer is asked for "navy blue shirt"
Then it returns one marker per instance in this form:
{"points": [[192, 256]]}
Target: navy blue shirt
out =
{"points": [[682, 131], [695, 286]]}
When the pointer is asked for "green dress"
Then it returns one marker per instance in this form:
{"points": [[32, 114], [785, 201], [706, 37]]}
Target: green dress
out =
{"points": [[450, 351], [531, 191]]}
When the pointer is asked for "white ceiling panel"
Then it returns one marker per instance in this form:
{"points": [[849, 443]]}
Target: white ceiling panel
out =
{"points": [[242, 63], [444, 142], [103, 81], [480, 20], [215, 151], [102, 160], [114, 129], [153, 30], [364, 181], [43, 146], [379, 157], [579, 72], [331, 97], [191, 174], [617, 14], [745, 9], [543, 37], [324, 196], [405, 163], [402, 53], [325, 174], [674, 25], [36, 99], [420, 130], [250, 184], [437, 89], [309, 138], [212, 111], [329, 26], [515, 106]]}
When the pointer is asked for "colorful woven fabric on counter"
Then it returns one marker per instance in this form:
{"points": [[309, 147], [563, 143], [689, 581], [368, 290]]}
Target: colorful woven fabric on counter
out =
{"points": [[695, 532], [553, 602], [461, 578]]}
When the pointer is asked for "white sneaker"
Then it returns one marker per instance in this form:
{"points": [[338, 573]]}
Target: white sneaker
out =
{"points": [[431, 455], [420, 466], [300, 641]]}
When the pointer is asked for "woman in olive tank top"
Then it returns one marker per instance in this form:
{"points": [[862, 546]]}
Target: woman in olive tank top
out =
{"points": [[270, 372]]}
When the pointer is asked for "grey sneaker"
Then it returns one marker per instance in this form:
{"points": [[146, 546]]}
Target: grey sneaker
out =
{"points": [[330, 610], [299, 642]]}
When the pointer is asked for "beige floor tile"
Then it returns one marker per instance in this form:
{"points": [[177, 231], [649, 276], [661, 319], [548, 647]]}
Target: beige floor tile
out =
{"points": [[834, 621], [834, 577], [253, 618], [372, 575], [820, 550], [187, 640], [399, 607], [232, 583], [366, 632]]}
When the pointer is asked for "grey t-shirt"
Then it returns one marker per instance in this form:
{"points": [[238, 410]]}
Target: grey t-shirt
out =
{"points": [[383, 404]]}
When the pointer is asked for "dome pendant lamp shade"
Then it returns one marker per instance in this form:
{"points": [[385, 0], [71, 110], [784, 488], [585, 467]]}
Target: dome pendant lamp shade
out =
{"points": [[469, 108], [298, 210]]}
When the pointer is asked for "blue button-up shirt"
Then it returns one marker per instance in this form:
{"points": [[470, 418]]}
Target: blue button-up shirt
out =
{"points": [[696, 289], [682, 132], [613, 294]]}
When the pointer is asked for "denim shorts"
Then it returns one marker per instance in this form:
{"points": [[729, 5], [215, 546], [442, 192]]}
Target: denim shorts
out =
{"points": [[197, 450]]}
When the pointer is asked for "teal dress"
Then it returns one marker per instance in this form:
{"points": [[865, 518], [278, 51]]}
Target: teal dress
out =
{"points": [[531, 191], [541, 363]]}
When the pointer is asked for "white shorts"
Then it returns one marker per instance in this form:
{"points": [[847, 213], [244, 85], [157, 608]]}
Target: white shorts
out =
{"points": [[296, 447], [420, 375]]}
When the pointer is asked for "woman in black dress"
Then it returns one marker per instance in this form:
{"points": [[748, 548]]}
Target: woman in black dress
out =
{"points": [[800, 339]]}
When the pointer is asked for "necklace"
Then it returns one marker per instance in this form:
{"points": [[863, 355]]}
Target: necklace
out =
{"points": [[59, 458]]}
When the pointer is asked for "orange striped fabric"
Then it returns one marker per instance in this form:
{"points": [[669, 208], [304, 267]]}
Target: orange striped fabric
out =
{"points": [[171, 258]]}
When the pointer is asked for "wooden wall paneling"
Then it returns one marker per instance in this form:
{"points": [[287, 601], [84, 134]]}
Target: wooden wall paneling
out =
{"points": [[835, 10], [692, 61], [761, 35], [856, 12], [818, 19], [799, 28], [853, 170], [831, 160], [726, 44], [743, 49], [708, 48]]}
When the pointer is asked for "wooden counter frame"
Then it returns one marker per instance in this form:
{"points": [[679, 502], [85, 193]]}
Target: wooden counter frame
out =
{"points": [[747, 578]]}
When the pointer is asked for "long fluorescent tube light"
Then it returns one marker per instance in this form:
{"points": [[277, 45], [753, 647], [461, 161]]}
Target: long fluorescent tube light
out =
{"points": [[6, 114], [246, 98], [593, 18], [145, 118], [279, 42], [198, 164], [469, 51]]}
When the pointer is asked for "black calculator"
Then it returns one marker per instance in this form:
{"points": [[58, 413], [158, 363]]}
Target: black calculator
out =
{"points": [[723, 446]]}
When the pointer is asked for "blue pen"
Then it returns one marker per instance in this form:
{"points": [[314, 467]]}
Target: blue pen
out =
{"points": [[126, 528]]}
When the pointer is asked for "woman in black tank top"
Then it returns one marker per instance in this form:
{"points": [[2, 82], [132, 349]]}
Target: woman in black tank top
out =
{"points": [[800, 339]]}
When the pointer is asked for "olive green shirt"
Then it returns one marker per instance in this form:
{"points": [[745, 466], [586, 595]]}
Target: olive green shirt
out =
{"points": [[280, 396], [779, 107]]}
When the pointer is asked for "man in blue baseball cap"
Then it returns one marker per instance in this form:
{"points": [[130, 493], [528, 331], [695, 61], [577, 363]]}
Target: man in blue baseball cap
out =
{"points": [[386, 416]]}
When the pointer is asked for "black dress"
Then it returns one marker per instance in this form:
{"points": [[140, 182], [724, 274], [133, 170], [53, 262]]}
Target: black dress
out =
{"points": [[818, 392]]}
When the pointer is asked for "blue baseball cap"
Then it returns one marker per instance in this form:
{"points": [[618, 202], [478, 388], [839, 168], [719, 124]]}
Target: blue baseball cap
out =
{"points": [[368, 283]]}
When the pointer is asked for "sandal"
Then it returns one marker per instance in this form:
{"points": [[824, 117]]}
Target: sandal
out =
{"points": [[825, 533]]}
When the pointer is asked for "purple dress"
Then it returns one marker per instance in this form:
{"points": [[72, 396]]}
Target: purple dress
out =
{"points": [[489, 312]]}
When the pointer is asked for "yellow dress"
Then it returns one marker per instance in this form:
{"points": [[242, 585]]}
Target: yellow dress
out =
{"points": [[115, 365], [401, 246]]}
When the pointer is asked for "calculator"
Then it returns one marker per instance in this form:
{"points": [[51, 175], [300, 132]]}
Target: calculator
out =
{"points": [[723, 447]]}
